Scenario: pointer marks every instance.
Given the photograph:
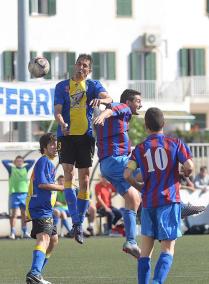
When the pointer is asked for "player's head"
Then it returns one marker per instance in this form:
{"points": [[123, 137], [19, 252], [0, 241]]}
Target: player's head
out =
{"points": [[133, 99], [48, 145], [61, 179], [83, 66], [19, 161], [154, 119]]}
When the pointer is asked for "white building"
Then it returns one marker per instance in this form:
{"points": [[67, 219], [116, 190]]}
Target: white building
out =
{"points": [[160, 48]]}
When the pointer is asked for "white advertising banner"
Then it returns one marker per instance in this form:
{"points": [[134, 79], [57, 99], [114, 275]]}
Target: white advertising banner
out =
{"points": [[27, 101]]}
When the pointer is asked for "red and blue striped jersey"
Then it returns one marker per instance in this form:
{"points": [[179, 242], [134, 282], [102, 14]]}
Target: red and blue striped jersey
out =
{"points": [[112, 138], [158, 157]]}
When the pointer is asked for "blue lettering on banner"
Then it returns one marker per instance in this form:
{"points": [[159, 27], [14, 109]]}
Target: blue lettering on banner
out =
{"points": [[41, 93], [19, 100], [11, 103], [26, 100]]}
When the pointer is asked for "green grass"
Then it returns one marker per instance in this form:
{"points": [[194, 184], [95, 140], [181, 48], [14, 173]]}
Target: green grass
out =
{"points": [[100, 261]]}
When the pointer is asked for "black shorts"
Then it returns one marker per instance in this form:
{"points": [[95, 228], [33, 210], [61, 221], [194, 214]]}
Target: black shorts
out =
{"points": [[76, 150], [44, 225]]}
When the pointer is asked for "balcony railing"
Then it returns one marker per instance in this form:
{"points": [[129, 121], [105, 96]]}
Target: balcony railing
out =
{"points": [[172, 91]]}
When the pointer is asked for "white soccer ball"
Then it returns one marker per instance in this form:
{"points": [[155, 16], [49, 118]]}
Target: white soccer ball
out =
{"points": [[38, 66]]}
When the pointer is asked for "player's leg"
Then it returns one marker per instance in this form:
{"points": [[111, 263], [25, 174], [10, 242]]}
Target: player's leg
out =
{"points": [[66, 151], [85, 146], [168, 230], [14, 209], [64, 220], [70, 192], [92, 211], [144, 262], [42, 231], [22, 200], [112, 169], [164, 262]]}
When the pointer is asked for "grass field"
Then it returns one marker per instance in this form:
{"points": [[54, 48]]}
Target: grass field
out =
{"points": [[100, 261]]}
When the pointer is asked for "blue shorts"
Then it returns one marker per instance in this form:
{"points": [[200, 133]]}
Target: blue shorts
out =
{"points": [[112, 168], [17, 200], [162, 223]]}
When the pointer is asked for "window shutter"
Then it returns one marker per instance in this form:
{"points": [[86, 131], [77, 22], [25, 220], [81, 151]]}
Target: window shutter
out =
{"points": [[134, 66], [110, 65], [33, 54], [8, 65], [30, 7], [184, 62], [70, 63], [150, 66], [199, 62], [208, 6], [48, 56], [51, 7], [124, 7], [96, 65]]}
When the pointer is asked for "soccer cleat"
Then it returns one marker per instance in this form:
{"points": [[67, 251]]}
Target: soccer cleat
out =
{"points": [[188, 210], [132, 249], [12, 236], [70, 234], [26, 236], [35, 279], [78, 233], [90, 230]]}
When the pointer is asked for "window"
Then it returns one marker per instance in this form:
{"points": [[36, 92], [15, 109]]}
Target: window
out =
{"points": [[192, 61], [103, 65], [207, 6], [61, 64], [200, 121], [10, 64], [124, 8], [44, 7], [143, 66]]}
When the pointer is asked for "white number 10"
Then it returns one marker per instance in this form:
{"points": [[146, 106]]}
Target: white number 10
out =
{"points": [[161, 159]]}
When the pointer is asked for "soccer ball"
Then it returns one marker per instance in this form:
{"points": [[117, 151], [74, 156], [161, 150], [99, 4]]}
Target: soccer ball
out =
{"points": [[38, 66]]}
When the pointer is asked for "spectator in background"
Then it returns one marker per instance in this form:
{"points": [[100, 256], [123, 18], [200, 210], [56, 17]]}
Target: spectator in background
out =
{"points": [[202, 180], [18, 188], [60, 210], [104, 192]]}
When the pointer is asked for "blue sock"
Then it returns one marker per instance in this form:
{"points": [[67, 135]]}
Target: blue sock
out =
{"points": [[45, 262], [13, 231], [71, 198], [38, 262], [83, 205], [66, 224], [162, 267], [129, 218], [55, 220], [144, 270], [24, 230]]}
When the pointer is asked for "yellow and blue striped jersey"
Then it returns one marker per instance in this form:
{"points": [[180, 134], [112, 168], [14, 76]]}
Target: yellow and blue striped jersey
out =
{"points": [[75, 98], [40, 202]]}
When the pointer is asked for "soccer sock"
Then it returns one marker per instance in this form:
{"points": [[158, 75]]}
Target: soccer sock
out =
{"points": [[66, 225], [39, 255], [13, 230], [45, 261], [55, 220], [71, 199], [162, 267], [129, 217], [24, 230], [144, 270], [83, 204]]}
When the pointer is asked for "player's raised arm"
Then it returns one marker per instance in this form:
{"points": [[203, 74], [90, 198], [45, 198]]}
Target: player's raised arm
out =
{"points": [[102, 116]]}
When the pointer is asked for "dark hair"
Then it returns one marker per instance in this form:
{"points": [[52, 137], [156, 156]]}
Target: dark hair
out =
{"points": [[86, 57], [19, 157], [60, 176], [203, 168], [128, 95], [45, 140], [154, 119]]}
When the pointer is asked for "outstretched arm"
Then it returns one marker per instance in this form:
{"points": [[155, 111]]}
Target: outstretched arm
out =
{"points": [[100, 119], [51, 186], [104, 98]]}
